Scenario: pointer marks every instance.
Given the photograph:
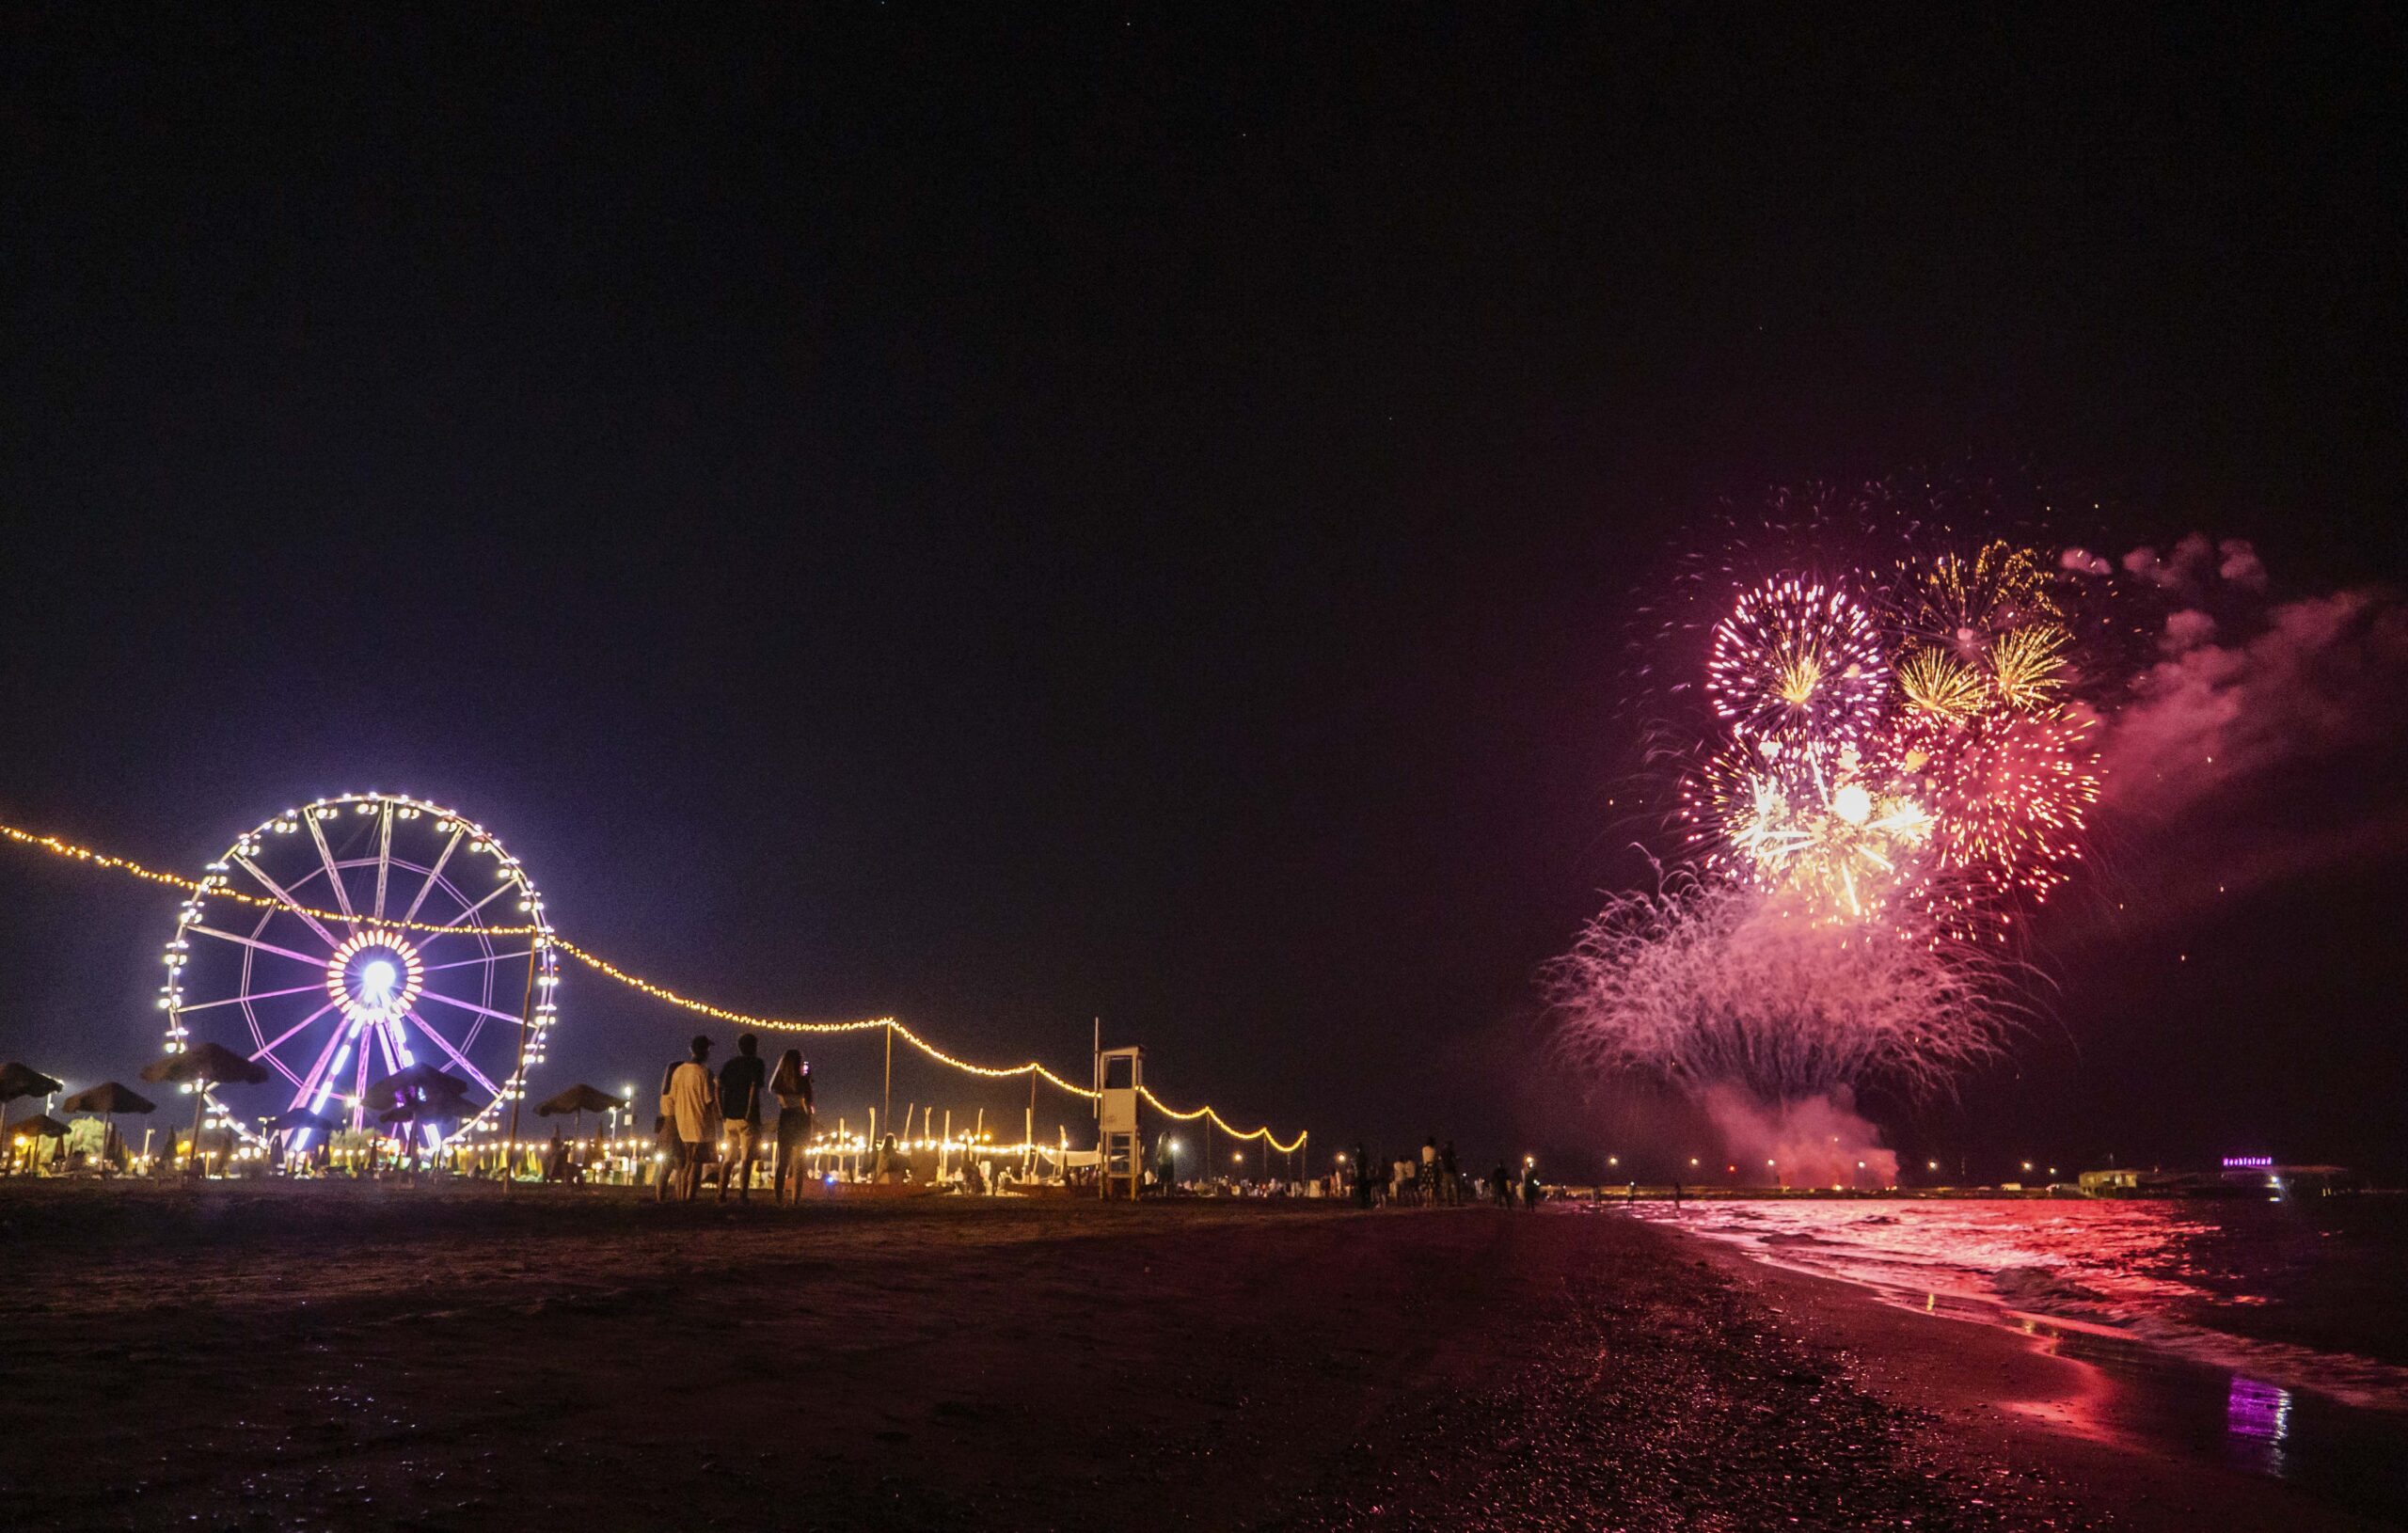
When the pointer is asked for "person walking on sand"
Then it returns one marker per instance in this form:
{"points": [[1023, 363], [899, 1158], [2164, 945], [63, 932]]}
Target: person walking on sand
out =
{"points": [[742, 1083], [669, 1150], [1449, 1178], [1362, 1176], [1532, 1189], [791, 1085], [691, 1102], [1500, 1186]]}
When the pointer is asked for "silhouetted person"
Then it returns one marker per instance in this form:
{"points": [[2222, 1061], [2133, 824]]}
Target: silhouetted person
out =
{"points": [[1501, 1186], [1362, 1176], [791, 1085], [742, 1083], [692, 1104], [1532, 1191], [1450, 1176]]}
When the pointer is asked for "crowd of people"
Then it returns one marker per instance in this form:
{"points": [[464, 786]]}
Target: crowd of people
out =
{"points": [[1432, 1179]]}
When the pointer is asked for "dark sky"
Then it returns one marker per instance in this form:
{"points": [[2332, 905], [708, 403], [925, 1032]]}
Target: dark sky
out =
{"points": [[1014, 516]]}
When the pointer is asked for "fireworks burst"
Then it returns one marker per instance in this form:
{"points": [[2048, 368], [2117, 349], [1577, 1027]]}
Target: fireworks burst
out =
{"points": [[1962, 603], [1935, 682], [2016, 790], [1797, 661], [2028, 665], [1828, 835], [1861, 847]]}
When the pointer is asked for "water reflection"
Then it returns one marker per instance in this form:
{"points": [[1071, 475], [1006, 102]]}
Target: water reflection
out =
{"points": [[2256, 1422]]}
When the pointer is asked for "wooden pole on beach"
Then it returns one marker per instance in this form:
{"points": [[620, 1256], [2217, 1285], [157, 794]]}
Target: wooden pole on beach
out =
{"points": [[890, 1082], [526, 1014]]}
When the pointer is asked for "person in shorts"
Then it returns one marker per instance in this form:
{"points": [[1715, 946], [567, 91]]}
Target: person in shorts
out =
{"points": [[791, 1085], [689, 1107], [742, 1083]]}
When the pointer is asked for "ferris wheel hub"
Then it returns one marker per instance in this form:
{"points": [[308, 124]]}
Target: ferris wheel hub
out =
{"points": [[376, 976]]}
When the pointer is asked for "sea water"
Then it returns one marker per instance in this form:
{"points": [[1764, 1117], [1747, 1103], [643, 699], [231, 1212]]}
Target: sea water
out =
{"points": [[2276, 1327]]}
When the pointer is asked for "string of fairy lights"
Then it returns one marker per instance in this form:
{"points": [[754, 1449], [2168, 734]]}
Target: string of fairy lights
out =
{"points": [[215, 887]]}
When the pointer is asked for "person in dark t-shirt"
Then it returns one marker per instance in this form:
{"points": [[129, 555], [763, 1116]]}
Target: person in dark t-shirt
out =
{"points": [[742, 1082]]}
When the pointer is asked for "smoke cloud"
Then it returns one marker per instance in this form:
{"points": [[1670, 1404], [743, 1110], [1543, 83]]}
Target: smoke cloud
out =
{"points": [[1819, 1141], [2323, 673]]}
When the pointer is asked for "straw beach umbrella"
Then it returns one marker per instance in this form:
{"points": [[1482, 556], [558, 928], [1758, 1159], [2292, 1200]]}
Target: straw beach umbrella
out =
{"points": [[39, 1127], [109, 1099], [200, 1067], [20, 1080], [417, 1093], [293, 1119], [580, 1099]]}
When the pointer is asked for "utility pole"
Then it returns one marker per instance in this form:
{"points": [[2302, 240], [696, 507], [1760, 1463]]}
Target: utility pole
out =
{"points": [[887, 1110]]}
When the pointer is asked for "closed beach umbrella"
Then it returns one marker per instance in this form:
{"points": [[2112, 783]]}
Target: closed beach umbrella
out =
{"points": [[20, 1080], [109, 1099], [200, 1067]]}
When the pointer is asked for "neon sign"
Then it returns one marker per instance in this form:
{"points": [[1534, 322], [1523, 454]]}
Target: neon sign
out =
{"points": [[2248, 1162]]}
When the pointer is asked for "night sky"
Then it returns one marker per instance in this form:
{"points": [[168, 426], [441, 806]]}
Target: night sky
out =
{"points": [[1011, 516]]}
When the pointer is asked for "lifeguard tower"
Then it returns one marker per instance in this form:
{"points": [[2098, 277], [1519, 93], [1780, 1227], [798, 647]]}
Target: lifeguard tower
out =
{"points": [[1121, 1165]]}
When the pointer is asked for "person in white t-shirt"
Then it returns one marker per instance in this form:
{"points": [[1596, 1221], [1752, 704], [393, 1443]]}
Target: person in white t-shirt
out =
{"points": [[689, 1100]]}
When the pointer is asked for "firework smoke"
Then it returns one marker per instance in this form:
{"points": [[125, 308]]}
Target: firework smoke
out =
{"points": [[1713, 983]]}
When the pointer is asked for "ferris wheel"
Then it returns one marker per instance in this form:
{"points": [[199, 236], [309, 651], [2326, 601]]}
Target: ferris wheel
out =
{"points": [[353, 939]]}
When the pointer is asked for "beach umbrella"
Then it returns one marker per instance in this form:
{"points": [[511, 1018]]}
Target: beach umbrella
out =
{"points": [[109, 1099], [24, 1080], [202, 1066], [415, 1085], [20, 1080], [293, 1119], [40, 1126], [580, 1099]]}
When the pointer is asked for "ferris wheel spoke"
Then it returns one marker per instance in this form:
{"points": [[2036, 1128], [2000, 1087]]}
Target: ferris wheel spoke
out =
{"points": [[457, 1057], [318, 1079], [471, 1006], [334, 875], [294, 906], [268, 1051], [432, 875], [264, 947], [482, 958], [384, 855], [258, 995], [507, 885]]}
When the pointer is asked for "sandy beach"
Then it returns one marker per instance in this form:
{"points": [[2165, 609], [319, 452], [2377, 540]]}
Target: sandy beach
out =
{"points": [[330, 1355]]}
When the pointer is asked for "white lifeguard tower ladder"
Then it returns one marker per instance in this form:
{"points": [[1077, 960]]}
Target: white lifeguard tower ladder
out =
{"points": [[1121, 1165]]}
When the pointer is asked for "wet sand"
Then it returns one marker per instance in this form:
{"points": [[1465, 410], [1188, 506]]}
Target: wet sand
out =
{"points": [[340, 1356]]}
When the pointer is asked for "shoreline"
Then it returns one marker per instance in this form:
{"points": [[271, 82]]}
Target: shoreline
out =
{"points": [[2142, 1430]]}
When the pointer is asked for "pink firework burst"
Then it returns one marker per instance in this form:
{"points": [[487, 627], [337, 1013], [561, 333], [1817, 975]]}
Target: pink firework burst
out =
{"points": [[1798, 663]]}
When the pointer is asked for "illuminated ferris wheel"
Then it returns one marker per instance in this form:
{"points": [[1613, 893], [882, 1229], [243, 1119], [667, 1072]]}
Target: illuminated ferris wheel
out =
{"points": [[347, 941]]}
